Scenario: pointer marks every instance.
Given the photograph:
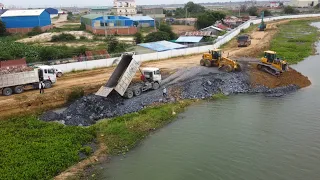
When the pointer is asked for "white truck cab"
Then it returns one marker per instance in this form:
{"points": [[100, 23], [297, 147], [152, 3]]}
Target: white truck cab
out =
{"points": [[152, 74], [47, 74]]}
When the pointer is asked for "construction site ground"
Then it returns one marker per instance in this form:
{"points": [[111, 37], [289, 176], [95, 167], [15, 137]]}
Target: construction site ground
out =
{"points": [[91, 80]]}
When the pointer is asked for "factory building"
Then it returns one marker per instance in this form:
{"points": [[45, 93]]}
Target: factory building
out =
{"points": [[23, 21], [122, 25], [124, 7]]}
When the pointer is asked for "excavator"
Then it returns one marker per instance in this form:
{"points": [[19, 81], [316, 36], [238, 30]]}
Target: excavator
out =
{"points": [[262, 26], [214, 58], [271, 64]]}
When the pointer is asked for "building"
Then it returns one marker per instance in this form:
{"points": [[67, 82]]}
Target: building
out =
{"points": [[124, 7], [186, 21], [158, 46], [155, 13], [3, 11], [142, 21], [101, 10], [214, 30], [200, 33], [23, 21], [303, 3], [53, 12], [274, 4], [188, 40]]}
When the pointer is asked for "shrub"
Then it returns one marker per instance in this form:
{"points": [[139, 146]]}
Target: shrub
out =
{"points": [[138, 37], [290, 10], [2, 28], [87, 150], [83, 37], [35, 31], [157, 36], [76, 93], [63, 37], [253, 11]]}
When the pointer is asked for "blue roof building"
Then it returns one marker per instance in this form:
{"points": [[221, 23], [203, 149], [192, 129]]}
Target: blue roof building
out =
{"points": [[162, 46], [22, 21], [52, 10]]}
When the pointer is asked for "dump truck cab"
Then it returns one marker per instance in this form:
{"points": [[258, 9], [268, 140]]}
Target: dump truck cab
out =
{"points": [[151, 74], [212, 58]]}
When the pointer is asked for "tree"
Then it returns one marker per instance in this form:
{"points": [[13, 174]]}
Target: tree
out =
{"points": [[113, 43], [267, 12], [243, 8], [138, 37], [166, 28], [253, 11], [290, 10], [208, 18], [157, 36], [192, 9], [2, 28]]}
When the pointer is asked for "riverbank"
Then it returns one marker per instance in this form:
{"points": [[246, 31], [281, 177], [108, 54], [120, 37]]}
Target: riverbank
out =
{"points": [[122, 134]]}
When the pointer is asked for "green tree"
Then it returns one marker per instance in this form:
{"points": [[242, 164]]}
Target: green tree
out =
{"points": [[2, 28], [138, 37], [157, 36], [253, 11], [191, 8], [113, 44], [267, 12], [167, 28], [290, 10], [208, 18]]}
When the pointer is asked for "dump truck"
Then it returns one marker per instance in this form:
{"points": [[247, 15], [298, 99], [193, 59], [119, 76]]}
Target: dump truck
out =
{"points": [[16, 82], [214, 58], [121, 78], [244, 40]]}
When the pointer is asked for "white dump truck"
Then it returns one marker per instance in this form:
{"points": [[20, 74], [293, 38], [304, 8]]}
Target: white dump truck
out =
{"points": [[16, 82], [124, 73]]}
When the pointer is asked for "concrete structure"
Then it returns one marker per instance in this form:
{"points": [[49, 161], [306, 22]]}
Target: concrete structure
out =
{"points": [[303, 3], [155, 13], [124, 7], [23, 21], [101, 10]]}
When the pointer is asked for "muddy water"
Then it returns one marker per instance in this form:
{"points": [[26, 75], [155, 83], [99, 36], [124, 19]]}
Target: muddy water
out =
{"points": [[243, 137]]}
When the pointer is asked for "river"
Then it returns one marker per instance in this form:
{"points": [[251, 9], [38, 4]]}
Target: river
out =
{"points": [[247, 137]]}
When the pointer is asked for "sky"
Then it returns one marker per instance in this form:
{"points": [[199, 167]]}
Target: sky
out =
{"points": [[57, 3]]}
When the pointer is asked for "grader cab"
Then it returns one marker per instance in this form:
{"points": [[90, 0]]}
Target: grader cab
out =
{"points": [[214, 58]]}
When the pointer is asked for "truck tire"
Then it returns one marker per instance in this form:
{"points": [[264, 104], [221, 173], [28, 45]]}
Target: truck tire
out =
{"points": [[202, 62], [6, 91], [129, 94], [47, 84], [137, 92], [18, 89], [155, 85], [59, 74], [208, 63]]}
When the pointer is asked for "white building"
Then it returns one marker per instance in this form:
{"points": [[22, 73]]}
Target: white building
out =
{"points": [[303, 3], [124, 7]]}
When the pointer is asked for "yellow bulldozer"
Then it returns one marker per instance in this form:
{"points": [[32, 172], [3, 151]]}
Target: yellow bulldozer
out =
{"points": [[271, 64], [214, 58]]}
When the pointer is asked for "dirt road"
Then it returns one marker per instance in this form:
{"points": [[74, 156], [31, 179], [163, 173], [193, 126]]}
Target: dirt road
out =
{"points": [[31, 101]]}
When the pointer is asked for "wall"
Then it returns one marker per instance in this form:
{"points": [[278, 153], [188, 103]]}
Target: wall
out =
{"points": [[119, 31], [174, 53], [26, 30]]}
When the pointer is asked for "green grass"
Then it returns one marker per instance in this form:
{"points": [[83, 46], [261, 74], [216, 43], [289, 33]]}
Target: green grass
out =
{"points": [[120, 134], [218, 96], [32, 149], [295, 40]]}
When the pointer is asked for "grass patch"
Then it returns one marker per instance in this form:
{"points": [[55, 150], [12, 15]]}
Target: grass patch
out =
{"points": [[122, 133], [219, 96], [76, 93], [295, 40], [32, 149]]}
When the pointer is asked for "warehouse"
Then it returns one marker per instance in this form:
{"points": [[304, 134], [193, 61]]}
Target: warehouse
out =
{"points": [[23, 21], [122, 25], [53, 12]]}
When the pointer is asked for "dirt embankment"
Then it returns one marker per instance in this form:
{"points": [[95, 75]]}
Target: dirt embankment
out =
{"points": [[31, 101]]}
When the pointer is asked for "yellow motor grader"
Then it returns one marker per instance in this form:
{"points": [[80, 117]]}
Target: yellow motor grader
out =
{"points": [[214, 58]]}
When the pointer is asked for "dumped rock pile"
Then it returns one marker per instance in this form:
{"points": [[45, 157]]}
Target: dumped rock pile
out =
{"points": [[192, 83]]}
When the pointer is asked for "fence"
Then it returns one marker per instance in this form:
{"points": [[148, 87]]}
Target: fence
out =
{"points": [[177, 52]]}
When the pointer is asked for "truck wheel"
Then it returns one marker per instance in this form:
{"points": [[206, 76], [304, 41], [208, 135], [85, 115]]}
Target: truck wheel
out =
{"points": [[208, 63], [59, 74], [137, 92], [202, 62], [18, 89], [7, 91], [129, 94], [47, 84], [155, 86]]}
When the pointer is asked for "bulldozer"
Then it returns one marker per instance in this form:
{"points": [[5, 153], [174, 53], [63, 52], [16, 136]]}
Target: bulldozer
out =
{"points": [[214, 58], [271, 64]]}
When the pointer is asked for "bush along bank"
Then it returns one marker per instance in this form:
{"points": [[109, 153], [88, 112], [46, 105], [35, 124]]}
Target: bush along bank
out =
{"points": [[295, 40]]}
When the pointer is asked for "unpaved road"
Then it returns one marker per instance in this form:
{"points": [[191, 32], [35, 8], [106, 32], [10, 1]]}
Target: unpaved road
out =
{"points": [[31, 101]]}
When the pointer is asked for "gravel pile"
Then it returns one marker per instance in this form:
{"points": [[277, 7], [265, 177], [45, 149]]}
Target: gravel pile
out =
{"points": [[191, 83]]}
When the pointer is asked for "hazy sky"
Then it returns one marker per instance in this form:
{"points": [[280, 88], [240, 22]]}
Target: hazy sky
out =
{"points": [[27, 3]]}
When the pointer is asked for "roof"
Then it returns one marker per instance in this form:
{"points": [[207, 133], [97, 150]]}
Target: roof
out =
{"points": [[212, 27], [140, 18], [52, 10], [162, 45], [91, 16], [189, 39], [198, 33], [3, 11], [150, 69], [29, 12]]}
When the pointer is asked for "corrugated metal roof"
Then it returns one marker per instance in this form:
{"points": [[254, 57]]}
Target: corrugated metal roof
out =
{"points": [[198, 33], [140, 18], [91, 16], [162, 45], [189, 39], [213, 27], [29, 12]]}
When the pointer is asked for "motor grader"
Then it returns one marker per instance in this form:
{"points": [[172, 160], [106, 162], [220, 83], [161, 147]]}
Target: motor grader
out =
{"points": [[214, 58], [271, 64]]}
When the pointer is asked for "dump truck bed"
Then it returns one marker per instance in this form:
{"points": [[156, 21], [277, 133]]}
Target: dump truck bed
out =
{"points": [[19, 78], [121, 76]]}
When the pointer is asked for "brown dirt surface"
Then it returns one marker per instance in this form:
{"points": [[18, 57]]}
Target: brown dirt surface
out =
{"points": [[31, 101], [180, 29]]}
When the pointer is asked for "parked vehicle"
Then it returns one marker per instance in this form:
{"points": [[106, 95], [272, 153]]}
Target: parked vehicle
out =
{"points": [[58, 72], [244, 40], [17, 81], [123, 74]]}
